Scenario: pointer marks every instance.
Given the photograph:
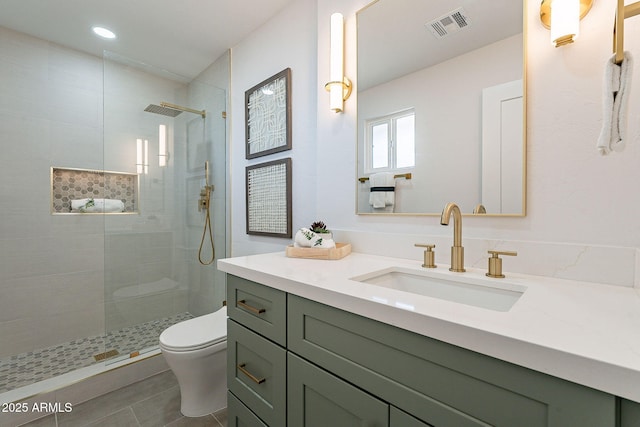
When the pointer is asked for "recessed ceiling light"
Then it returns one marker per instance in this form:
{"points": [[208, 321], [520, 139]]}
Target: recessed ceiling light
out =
{"points": [[104, 33]]}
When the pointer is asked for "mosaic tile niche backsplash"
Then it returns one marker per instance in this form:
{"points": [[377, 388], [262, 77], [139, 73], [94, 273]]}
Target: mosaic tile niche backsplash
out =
{"points": [[75, 184]]}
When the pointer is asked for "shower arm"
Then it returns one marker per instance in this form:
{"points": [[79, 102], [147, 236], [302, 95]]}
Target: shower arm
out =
{"points": [[202, 113]]}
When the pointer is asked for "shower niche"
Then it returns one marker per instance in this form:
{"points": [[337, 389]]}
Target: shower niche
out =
{"points": [[87, 191]]}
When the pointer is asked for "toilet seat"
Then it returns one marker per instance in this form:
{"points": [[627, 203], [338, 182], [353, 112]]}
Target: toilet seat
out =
{"points": [[197, 333]]}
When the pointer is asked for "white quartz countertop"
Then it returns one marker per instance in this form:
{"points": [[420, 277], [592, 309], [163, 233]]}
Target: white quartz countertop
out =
{"points": [[582, 332]]}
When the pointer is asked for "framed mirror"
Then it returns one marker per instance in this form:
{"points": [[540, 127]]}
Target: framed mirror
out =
{"points": [[441, 107]]}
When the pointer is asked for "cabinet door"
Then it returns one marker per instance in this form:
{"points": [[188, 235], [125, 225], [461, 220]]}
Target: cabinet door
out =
{"points": [[629, 413], [256, 373], [239, 415], [316, 398], [397, 418]]}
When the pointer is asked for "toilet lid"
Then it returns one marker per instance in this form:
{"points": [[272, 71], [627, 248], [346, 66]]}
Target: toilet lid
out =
{"points": [[196, 333]]}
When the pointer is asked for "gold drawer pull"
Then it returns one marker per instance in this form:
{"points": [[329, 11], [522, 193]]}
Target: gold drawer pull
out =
{"points": [[243, 303], [250, 375]]}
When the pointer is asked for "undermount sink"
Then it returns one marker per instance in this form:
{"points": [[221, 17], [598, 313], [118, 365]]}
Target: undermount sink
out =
{"points": [[478, 292]]}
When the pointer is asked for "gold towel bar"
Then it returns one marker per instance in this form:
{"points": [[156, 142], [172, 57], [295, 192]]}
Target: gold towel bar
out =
{"points": [[623, 12], [401, 175]]}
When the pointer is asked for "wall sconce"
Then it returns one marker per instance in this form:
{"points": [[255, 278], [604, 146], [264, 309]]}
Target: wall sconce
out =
{"points": [[163, 154], [563, 17], [142, 156], [339, 87]]}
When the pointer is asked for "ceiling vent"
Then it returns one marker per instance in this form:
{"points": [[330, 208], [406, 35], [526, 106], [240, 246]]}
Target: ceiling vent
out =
{"points": [[450, 23]]}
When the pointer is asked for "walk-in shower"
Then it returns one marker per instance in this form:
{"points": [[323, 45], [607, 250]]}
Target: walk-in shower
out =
{"points": [[86, 290]]}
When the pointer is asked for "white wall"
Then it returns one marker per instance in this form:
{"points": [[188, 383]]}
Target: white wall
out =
{"points": [[287, 41], [577, 201], [574, 194]]}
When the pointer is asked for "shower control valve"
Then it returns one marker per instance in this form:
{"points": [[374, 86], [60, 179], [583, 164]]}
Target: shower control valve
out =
{"points": [[205, 197]]}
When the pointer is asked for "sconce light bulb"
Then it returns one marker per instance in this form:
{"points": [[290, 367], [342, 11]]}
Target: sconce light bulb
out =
{"points": [[565, 21], [337, 63]]}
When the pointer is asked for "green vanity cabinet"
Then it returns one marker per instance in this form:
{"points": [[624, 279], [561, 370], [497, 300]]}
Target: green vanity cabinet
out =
{"points": [[436, 382], [332, 366], [256, 353]]}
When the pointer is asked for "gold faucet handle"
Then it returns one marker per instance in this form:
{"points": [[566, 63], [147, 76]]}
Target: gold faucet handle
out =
{"points": [[495, 263], [429, 255]]}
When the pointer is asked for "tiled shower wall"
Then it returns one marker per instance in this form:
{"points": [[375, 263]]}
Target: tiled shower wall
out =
{"points": [[52, 268]]}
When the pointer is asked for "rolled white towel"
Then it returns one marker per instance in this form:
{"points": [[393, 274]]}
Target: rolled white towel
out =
{"points": [[325, 243], [306, 238], [97, 205]]}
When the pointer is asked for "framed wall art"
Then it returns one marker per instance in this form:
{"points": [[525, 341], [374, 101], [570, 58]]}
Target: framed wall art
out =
{"points": [[268, 192], [268, 116]]}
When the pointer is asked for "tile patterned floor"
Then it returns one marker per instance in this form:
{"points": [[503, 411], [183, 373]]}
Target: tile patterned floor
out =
{"points": [[27, 368], [153, 402]]}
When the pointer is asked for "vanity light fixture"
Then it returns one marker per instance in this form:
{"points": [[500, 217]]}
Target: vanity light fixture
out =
{"points": [[563, 17], [163, 154], [339, 86]]}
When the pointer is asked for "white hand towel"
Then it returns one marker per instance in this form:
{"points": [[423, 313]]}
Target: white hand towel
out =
{"points": [[617, 82], [380, 199]]}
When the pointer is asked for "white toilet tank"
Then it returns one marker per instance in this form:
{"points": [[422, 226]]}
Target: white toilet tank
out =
{"points": [[196, 333]]}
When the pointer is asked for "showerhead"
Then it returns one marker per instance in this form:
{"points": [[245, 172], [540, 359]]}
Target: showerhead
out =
{"points": [[165, 111], [172, 110]]}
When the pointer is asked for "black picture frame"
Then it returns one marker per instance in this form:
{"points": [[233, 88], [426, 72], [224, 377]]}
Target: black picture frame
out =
{"points": [[268, 198], [268, 116]]}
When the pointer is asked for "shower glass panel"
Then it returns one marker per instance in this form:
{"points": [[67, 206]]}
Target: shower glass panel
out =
{"points": [[80, 290], [153, 278]]}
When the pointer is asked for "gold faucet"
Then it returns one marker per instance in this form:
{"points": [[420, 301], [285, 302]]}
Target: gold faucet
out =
{"points": [[457, 251]]}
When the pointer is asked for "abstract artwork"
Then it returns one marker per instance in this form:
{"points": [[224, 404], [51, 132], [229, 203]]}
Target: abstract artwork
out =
{"points": [[268, 190], [268, 116]]}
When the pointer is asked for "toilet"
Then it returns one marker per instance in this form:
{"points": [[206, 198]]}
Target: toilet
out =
{"points": [[196, 352]]}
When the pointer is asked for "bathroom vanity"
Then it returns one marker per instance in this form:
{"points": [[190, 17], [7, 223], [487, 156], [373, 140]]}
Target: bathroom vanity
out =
{"points": [[315, 343]]}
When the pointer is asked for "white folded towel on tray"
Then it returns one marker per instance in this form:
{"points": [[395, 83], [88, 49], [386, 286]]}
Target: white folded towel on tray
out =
{"points": [[306, 238]]}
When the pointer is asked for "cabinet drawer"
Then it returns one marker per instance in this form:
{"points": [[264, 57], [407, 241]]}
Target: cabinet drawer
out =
{"points": [[239, 415], [257, 373], [319, 399], [438, 383], [258, 307]]}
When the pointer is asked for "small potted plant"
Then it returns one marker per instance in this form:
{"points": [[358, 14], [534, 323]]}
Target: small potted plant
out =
{"points": [[320, 228]]}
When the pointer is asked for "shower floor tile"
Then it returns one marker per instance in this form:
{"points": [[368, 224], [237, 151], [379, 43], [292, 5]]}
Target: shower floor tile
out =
{"points": [[38, 365]]}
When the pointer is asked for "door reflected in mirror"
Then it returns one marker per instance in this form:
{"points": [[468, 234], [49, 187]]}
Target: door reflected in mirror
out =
{"points": [[441, 107]]}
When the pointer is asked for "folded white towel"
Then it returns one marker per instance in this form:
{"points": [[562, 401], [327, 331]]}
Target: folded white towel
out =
{"points": [[97, 205], [306, 238], [381, 181], [617, 82]]}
